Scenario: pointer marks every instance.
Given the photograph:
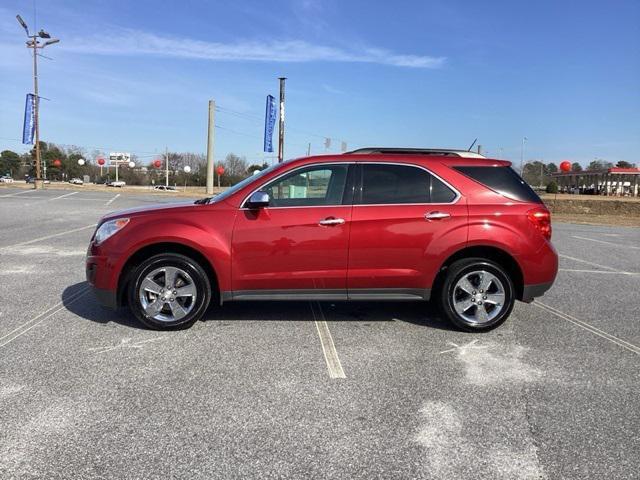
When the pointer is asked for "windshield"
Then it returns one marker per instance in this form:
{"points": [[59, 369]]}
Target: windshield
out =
{"points": [[240, 185]]}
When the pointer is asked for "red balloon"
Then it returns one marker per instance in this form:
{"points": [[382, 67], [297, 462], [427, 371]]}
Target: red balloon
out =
{"points": [[565, 166], [157, 163], [220, 170], [57, 163], [101, 161]]}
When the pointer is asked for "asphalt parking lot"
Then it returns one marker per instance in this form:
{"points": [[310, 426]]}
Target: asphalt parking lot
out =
{"points": [[319, 390]]}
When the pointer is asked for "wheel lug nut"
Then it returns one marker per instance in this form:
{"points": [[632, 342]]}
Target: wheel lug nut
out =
{"points": [[163, 299], [175, 292], [484, 298], [473, 293]]}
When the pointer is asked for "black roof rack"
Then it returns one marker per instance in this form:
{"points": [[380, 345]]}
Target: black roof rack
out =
{"points": [[446, 152]]}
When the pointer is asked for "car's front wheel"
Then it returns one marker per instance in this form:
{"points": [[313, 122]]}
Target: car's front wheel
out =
{"points": [[169, 291], [477, 294]]}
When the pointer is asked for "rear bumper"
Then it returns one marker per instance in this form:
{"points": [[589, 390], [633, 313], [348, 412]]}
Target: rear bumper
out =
{"points": [[529, 292]]}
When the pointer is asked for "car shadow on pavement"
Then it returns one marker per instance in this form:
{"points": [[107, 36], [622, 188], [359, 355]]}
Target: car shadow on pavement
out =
{"points": [[418, 313]]}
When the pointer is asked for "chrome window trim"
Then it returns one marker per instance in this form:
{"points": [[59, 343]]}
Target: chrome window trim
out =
{"points": [[455, 190]]}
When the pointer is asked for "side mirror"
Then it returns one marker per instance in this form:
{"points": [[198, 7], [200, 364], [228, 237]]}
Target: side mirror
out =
{"points": [[258, 199]]}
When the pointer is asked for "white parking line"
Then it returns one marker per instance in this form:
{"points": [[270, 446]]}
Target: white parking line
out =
{"points": [[587, 262], [110, 201], [590, 328], [25, 327], [28, 242], [576, 270], [326, 340], [604, 242], [18, 193], [64, 196]]}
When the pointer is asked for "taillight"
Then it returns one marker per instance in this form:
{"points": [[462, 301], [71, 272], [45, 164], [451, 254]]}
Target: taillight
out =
{"points": [[541, 219]]}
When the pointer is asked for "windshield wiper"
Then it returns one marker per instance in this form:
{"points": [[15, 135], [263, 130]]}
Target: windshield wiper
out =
{"points": [[203, 201]]}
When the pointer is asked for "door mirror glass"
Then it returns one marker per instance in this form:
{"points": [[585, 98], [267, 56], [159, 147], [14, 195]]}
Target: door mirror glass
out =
{"points": [[258, 199]]}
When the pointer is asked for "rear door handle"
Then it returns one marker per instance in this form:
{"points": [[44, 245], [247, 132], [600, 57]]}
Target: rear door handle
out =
{"points": [[331, 221], [436, 215]]}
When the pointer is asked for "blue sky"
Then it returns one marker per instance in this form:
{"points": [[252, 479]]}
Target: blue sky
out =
{"points": [[136, 75]]}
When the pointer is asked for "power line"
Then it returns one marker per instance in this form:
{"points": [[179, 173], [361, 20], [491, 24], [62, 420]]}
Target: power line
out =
{"points": [[251, 117]]}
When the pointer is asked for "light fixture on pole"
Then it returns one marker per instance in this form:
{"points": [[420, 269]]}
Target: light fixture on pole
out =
{"points": [[187, 170], [35, 45]]}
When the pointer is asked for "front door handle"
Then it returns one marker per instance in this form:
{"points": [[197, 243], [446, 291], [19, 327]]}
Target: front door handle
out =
{"points": [[331, 221], [436, 215]]}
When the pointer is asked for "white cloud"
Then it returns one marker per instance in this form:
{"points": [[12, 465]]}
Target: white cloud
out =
{"points": [[133, 43]]}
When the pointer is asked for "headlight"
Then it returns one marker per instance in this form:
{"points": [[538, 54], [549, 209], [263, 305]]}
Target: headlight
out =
{"points": [[109, 228]]}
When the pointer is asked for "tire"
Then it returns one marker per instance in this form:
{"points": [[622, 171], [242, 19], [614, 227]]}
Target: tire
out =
{"points": [[470, 307], [169, 309]]}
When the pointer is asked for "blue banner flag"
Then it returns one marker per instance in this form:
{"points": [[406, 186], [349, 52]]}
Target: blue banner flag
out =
{"points": [[269, 123], [29, 127]]}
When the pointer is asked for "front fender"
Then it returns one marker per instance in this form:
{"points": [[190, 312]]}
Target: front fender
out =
{"points": [[211, 238]]}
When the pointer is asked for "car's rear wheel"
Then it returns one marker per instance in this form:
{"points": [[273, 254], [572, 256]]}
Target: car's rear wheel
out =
{"points": [[169, 291], [477, 294]]}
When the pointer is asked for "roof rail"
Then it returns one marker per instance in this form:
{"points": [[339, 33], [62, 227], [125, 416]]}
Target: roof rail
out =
{"points": [[441, 152]]}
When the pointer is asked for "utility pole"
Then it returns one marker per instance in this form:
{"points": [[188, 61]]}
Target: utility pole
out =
{"points": [[210, 139], [35, 45], [281, 124]]}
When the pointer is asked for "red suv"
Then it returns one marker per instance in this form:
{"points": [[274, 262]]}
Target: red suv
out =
{"points": [[374, 224]]}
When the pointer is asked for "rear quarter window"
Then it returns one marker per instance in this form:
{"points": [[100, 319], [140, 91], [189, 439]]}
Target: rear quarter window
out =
{"points": [[503, 180]]}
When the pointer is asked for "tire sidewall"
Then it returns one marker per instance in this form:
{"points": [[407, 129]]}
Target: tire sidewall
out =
{"points": [[198, 275], [457, 271]]}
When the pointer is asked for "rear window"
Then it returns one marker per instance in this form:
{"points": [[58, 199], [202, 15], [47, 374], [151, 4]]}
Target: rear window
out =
{"points": [[503, 180]]}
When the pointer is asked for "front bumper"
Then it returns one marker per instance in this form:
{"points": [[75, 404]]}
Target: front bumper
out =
{"points": [[106, 298], [98, 276]]}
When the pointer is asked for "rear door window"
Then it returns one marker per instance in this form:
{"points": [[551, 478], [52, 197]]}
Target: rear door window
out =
{"points": [[503, 180]]}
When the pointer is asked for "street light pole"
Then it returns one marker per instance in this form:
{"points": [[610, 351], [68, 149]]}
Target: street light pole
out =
{"points": [[524, 139], [35, 45]]}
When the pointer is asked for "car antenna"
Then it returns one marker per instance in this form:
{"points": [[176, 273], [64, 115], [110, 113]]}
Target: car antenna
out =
{"points": [[474, 142]]}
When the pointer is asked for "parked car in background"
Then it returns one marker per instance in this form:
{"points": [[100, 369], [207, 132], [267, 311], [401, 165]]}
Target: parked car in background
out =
{"points": [[119, 183], [6, 179], [33, 180], [378, 224], [165, 188], [76, 181]]}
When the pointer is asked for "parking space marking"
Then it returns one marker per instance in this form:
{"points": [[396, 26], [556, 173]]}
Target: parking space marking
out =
{"points": [[590, 328], [124, 344], [18, 193], [587, 262], [326, 340], [64, 196], [577, 270], [605, 242], [110, 201], [29, 242], [25, 327]]}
